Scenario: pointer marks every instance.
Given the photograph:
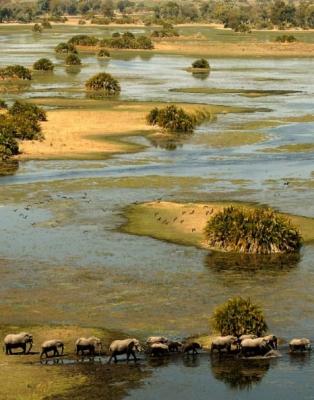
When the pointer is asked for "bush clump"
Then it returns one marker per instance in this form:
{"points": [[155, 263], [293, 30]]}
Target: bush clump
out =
{"points": [[286, 39], [15, 72], [46, 24], [82, 22], [165, 33], [8, 144], [201, 64], [255, 231], [172, 119], [43, 64], [37, 28], [3, 105], [83, 40], [65, 48], [72, 59], [103, 53], [127, 41], [239, 316], [104, 82]]}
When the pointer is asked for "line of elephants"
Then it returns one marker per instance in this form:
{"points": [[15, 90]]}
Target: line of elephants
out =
{"points": [[245, 345]]}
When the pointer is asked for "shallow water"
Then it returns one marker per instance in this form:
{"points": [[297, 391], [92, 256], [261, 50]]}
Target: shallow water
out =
{"points": [[60, 220]]}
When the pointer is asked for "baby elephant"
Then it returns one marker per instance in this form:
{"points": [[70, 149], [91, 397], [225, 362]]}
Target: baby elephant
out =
{"points": [[91, 344], [19, 340], [174, 346], [300, 345], [159, 349], [193, 346], [223, 343], [51, 345], [125, 346]]}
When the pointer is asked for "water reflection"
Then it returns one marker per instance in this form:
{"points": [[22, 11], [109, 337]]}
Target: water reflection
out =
{"points": [[201, 75], [8, 167], [73, 69], [244, 263], [237, 374], [168, 142]]}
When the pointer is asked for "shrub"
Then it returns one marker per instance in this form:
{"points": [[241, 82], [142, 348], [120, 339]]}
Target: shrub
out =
{"points": [[82, 22], [239, 316], [28, 110], [26, 128], [104, 82], [127, 41], [201, 63], [116, 34], [165, 33], [15, 72], [258, 231], [65, 48], [100, 21], [286, 39], [46, 24], [103, 53], [37, 28], [83, 40], [72, 59], [43, 64], [8, 143], [172, 119], [3, 105], [143, 42]]}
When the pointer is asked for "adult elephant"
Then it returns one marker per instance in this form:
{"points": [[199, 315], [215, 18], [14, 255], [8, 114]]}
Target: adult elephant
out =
{"points": [[125, 346], [51, 345], [223, 343], [91, 345], [258, 346], [18, 340]]}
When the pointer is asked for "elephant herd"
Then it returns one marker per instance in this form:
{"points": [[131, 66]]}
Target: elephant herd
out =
{"points": [[251, 345], [155, 346]]}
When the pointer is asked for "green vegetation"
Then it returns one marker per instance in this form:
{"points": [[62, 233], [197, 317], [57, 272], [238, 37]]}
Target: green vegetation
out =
{"points": [[72, 59], [103, 53], [286, 39], [257, 231], [239, 316], [83, 40], [104, 82], [65, 48], [15, 72], [127, 41], [37, 28], [43, 64], [167, 31], [201, 64], [20, 122], [3, 105], [46, 24], [172, 119]]}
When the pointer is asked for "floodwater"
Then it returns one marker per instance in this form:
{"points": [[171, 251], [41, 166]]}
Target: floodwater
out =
{"points": [[60, 220]]}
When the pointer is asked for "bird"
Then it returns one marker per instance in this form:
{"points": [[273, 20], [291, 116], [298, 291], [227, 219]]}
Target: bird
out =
{"points": [[193, 229], [174, 219], [192, 212], [159, 219], [182, 220]]}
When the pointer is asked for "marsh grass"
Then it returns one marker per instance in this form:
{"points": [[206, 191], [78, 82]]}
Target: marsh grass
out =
{"points": [[257, 231]]}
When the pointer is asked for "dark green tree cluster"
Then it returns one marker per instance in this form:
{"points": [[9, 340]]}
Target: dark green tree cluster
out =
{"points": [[105, 83], [15, 72], [172, 119], [72, 59], [201, 64], [286, 39], [21, 122], [103, 53], [83, 40], [255, 231], [43, 64], [65, 48], [239, 316], [127, 41]]}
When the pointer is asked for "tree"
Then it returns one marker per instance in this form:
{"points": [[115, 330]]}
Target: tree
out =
{"points": [[37, 28], [65, 48], [256, 231], [239, 316], [43, 5], [73, 59], [103, 53], [201, 63], [171, 119], [15, 72], [104, 82], [43, 64]]}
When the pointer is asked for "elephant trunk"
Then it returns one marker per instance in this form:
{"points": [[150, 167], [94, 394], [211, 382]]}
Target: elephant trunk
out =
{"points": [[62, 348], [30, 346]]}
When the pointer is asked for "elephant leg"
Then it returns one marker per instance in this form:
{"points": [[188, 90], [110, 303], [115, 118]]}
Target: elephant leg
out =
{"points": [[24, 348], [134, 355]]}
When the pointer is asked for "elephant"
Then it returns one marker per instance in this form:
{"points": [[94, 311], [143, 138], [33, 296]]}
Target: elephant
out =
{"points": [[258, 346], [156, 339], [248, 336], [193, 346], [88, 344], [223, 343], [174, 346], [272, 341], [19, 340], [159, 349], [125, 346], [51, 345], [300, 345]]}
